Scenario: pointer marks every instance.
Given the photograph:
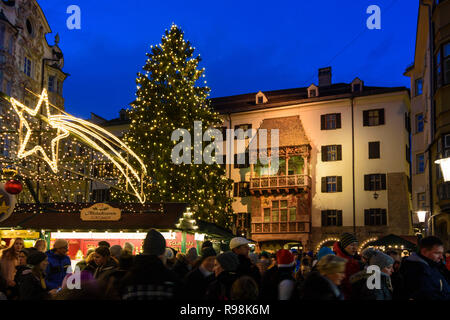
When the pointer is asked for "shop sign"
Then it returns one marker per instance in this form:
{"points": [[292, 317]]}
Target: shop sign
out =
{"points": [[25, 234], [100, 212]]}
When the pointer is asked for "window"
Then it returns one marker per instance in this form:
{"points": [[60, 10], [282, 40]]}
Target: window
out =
{"points": [[241, 189], [331, 218], [421, 200], [59, 87], [246, 131], [356, 87], [101, 195], [332, 153], [374, 182], [29, 27], [419, 122], [442, 63], [420, 163], [260, 99], [312, 93], [446, 63], [279, 212], [244, 161], [330, 121], [27, 65], [373, 117], [331, 184], [51, 84], [419, 86], [375, 217], [374, 150]]}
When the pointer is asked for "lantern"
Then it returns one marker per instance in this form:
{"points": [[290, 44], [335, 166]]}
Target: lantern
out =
{"points": [[13, 187]]}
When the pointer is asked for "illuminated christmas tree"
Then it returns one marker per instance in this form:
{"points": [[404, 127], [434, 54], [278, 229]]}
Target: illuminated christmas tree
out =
{"points": [[171, 94]]}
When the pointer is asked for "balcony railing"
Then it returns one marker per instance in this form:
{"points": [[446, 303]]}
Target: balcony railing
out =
{"points": [[279, 182], [280, 227]]}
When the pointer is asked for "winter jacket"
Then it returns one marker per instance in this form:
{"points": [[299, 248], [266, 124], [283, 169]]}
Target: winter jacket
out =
{"points": [[56, 269], [103, 271], [247, 268], [360, 290], [220, 288], [181, 268], [269, 285], [351, 267], [149, 279], [317, 287], [32, 288], [423, 280], [196, 284]]}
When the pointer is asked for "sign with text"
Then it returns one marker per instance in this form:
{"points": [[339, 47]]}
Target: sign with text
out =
{"points": [[100, 212]]}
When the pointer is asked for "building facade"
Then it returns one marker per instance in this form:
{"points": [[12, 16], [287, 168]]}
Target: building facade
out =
{"points": [[344, 163], [430, 106]]}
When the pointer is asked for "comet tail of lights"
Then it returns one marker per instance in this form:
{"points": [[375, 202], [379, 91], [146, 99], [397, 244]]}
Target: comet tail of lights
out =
{"points": [[88, 133]]}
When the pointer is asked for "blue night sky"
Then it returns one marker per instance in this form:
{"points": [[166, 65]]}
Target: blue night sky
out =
{"points": [[246, 45]]}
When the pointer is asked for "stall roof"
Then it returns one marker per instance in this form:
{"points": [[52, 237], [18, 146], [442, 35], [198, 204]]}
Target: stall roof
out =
{"points": [[392, 240], [60, 216]]}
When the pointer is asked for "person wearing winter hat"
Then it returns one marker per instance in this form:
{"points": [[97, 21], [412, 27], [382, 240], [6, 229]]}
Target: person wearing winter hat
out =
{"points": [[225, 266], [199, 279], [360, 289], [33, 285], [323, 252], [323, 284], [148, 278], [58, 262], [241, 248], [347, 248], [366, 254], [286, 281], [116, 251], [207, 244]]}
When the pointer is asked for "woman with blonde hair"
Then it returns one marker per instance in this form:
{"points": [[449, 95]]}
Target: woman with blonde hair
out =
{"points": [[10, 259], [41, 245]]}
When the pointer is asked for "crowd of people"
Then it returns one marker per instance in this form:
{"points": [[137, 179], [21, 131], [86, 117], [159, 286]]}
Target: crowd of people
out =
{"points": [[161, 273]]}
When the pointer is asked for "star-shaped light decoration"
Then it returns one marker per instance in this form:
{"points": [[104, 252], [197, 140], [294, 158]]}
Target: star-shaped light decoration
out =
{"points": [[61, 131], [4, 208]]}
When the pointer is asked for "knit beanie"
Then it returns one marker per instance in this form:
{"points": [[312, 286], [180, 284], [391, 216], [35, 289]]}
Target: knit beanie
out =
{"points": [[36, 257], [228, 261], [368, 253], [323, 252], [285, 258], [154, 243], [192, 254], [208, 252], [207, 244], [381, 260], [330, 264], [346, 239]]}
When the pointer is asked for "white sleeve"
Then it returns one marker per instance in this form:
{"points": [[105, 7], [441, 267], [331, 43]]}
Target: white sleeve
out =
{"points": [[285, 289]]}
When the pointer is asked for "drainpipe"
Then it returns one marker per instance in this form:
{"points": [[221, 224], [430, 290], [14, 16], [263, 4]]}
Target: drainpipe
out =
{"points": [[353, 166], [432, 116]]}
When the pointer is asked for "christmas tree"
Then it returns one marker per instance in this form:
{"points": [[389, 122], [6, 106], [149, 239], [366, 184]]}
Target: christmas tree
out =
{"points": [[170, 95]]}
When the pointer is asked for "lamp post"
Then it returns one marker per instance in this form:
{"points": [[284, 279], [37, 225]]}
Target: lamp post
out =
{"points": [[445, 168]]}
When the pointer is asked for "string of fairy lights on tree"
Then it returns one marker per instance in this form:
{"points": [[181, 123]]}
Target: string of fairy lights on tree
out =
{"points": [[171, 94]]}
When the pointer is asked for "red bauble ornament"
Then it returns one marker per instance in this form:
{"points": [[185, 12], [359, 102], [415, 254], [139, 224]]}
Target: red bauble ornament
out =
{"points": [[13, 187]]}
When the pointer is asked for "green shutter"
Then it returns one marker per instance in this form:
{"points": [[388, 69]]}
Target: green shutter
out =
{"points": [[381, 116], [383, 181], [324, 218], [322, 122], [324, 154], [338, 120], [339, 184], [367, 182], [324, 184], [339, 152]]}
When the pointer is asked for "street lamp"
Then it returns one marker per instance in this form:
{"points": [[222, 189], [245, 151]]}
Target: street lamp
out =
{"points": [[445, 168], [422, 217]]}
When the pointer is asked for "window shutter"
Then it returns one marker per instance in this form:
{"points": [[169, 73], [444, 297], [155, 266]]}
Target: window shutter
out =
{"points": [[366, 217], [383, 217], [339, 218], [339, 184], [324, 154], [324, 218], [374, 150], [383, 182], [322, 122], [235, 189], [338, 120], [366, 118], [247, 160], [324, 184], [367, 182], [235, 162], [381, 115], [339, 152]]}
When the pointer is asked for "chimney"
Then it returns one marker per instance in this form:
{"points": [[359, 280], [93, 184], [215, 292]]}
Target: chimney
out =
{"points": [[325, 77]]}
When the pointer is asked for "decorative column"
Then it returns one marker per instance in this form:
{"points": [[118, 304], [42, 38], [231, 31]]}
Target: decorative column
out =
{"points": [[305, 165], [183, 241]]}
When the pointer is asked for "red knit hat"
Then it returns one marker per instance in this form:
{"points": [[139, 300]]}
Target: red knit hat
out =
{"points": [[285, 258]]}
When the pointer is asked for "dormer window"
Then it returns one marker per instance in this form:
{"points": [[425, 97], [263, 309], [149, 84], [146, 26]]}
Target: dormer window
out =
{"points": [[357, 85], [313, 91], [261, 98]]}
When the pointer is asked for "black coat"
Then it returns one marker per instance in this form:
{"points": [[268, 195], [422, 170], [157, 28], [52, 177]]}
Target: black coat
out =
{"points": [[149, 279], [220, 288], [30, 287], [247, 268], [316, 287], [360, 290], [196, 284], [181, 269]]}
